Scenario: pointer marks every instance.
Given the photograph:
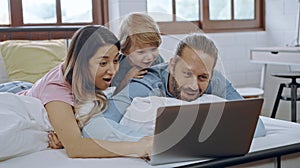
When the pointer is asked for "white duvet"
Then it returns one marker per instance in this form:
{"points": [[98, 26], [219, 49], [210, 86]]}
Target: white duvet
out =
{"points": [[24, 125]]}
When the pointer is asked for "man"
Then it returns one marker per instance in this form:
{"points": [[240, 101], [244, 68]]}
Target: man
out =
{"points": [[188, 75]]}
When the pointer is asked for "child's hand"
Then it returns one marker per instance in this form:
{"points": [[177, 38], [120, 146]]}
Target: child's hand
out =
{"points": [[136, 72], [140, 74], [54, 142]]}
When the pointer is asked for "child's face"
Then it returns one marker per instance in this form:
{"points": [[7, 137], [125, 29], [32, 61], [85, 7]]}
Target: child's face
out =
{"points": [[143, 56], [104, 65]]}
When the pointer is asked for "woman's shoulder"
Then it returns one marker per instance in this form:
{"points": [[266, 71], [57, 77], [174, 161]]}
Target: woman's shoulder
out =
{"points": [[51, 86], [53, 77]]}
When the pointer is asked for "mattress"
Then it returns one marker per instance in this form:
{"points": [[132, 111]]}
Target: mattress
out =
{"points": [[279, 133]]}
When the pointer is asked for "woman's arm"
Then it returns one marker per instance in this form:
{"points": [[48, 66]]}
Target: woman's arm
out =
{"points": [[63, 120]]}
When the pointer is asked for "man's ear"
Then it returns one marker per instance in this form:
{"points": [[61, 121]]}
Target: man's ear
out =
{"points": [[171, 65]]}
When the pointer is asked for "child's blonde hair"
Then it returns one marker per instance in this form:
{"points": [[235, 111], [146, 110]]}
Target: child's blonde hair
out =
{"points": [[137, 29]]}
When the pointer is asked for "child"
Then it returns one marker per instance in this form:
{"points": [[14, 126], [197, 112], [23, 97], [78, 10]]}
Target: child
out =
{"points": [[140, 38]]}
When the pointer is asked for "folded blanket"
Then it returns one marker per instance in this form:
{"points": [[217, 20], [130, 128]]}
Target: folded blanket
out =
{"points": [[24, 125]]}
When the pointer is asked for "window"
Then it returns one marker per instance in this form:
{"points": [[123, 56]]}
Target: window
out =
{"points": [[176, 16], [39, 13], [4, 15], [53, 12]]}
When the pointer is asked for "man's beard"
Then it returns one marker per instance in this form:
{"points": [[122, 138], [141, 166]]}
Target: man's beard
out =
{"points": [[177, 90]]}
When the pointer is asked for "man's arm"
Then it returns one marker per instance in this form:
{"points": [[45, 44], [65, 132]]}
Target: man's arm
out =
{"points": [[222, 87], [231, 92]]}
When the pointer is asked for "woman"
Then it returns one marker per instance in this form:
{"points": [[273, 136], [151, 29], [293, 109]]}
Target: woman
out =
{"points": [[91, 63]]}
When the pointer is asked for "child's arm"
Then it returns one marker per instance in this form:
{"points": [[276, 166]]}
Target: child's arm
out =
{"points": [[139, 74], [134, 72]]}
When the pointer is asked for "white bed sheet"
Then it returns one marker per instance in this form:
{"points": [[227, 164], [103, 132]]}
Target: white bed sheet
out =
{"points": [[279, 133]]}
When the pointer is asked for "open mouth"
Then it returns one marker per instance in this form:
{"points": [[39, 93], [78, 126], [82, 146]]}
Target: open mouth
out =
{"points": [[107, 79]]}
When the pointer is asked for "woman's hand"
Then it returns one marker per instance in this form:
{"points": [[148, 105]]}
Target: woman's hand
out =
{"points": [[144, 148], [54, 142]]}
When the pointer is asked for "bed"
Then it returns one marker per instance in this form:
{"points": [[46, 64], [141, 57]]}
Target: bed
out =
{"points": [[279, 148]]}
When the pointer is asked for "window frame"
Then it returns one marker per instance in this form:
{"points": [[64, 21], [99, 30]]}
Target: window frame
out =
{"points": [[235, 25], [208, 26], [99, 12]]}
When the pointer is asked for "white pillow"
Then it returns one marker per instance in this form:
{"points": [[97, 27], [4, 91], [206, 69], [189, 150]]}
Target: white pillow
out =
{"points": [[3, 72], [29, 60], [141, 116], [24, 125], [139, 119]]}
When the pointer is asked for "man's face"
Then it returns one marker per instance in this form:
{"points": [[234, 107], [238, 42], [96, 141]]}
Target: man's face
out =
{"points": [[190, 74]]}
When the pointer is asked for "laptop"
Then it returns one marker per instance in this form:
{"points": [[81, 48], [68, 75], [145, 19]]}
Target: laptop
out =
{"points": [[204, 131]]}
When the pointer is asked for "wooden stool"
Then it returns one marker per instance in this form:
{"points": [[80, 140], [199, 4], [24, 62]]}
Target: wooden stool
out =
{"points": [[293, 97]]}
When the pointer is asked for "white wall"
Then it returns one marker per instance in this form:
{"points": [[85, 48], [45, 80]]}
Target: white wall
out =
{"points": [[281, 23], [234, 48]]}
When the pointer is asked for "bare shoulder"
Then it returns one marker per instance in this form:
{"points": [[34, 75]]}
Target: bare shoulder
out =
{"points": [[58, 106]]}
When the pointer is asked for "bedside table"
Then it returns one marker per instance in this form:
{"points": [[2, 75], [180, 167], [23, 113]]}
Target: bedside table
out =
{"points": [[274, 55]]}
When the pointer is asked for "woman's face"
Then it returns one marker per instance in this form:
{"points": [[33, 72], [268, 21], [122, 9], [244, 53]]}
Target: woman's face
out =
{"points": [[104, 65], [143, 56]]}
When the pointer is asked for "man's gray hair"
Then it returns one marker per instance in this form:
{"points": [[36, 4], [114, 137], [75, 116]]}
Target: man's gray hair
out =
{"points": [[198, 41]]}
